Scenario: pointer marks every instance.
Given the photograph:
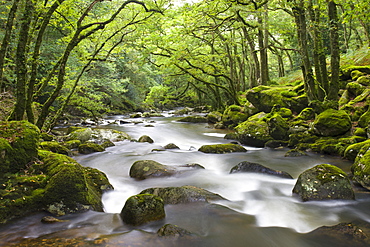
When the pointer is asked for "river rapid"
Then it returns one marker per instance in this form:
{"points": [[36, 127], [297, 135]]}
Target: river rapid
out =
{"points": [[260, 210]]}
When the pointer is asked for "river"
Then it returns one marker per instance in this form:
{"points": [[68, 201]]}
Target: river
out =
{"points": [[260, 210]]}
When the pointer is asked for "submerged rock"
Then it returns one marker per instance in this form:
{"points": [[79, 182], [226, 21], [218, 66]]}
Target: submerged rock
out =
{"points": [[143, 169], [324, 182], [170, 230], [145, 138], [171, 146], [222, 148], [142, 208], [295, 153], [246, 166], [183, 194], [332, 123]]}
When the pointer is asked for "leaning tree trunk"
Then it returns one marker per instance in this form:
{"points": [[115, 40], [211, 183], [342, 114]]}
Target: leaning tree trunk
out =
{"points": [[21, 62], [334, 54]]}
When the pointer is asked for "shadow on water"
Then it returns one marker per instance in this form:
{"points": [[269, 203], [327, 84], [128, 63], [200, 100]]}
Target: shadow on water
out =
{"points": [[259, 211]]}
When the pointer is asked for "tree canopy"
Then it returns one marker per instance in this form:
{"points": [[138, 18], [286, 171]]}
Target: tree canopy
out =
{"points": [[97, 56]]}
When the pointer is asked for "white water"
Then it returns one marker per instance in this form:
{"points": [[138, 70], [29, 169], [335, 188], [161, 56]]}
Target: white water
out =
{"points": [[260, 210]]}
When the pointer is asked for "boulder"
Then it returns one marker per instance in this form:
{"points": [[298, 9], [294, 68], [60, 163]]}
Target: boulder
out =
{"points": [[233, 115], [54, 147], [361, 167], [142, 208], [364, 80], [89, 147], [143, 169], [342, 235], [307, 114], [222, 148], [324, 182], [193, 119], [332, 123], [214, 117], [171, 146], [278, 127], [97, 135], [145, 138], [81, 134], [253, 132], [246, 166], [170, 230], [364, 120], [295, 153], [183, 194], [18, 145], [352, 151]]}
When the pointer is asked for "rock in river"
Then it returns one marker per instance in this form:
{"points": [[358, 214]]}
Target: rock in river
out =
{"points": [[143, 169], [222, 148], [324, 182], [246, 166]]}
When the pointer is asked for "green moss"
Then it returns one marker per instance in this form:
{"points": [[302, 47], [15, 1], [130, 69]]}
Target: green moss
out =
{"points": [[72, 144], [307, 114], [364, 80], [352, 150], [193, 119], [222, 148], [355, 88], [332, 123], [54, 147], [82, 135], [254, 131], [88, 148]]}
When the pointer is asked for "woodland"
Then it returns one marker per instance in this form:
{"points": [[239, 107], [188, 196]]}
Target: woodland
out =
{"points": [[93, 57]]}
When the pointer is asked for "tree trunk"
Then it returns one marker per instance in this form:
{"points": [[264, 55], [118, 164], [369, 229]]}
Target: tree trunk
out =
{"points": [[334, 53], [6, 39], [21, 62]]}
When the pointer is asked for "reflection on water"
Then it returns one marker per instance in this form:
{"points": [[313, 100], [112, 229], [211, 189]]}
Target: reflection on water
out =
{"points": [[260, 210]]}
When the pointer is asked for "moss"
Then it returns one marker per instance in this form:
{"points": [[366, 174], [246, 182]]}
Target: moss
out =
{"points": [[355, 88], [306, 114], [332, 123], [143, 169], [352, 150], [193, 119], [347, 70], [82, 135], [364, 120], [364, 80], [278, 127], [254, 131], [54, 147], [355, 74], [361, 166], [46, 137], [222, 148], [89, 147], [214, 117], [359, 132], [23, 137], [72, 144], [232, 116]]}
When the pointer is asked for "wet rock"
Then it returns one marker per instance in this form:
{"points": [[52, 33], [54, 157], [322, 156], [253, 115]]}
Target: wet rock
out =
{"points": [[193, 165], [214, 117], [246, 166], [361, 167], [278, 127], [193, 119], [183, 194], [332, 123], [222, 148], [233, 115], [171, 146], [97, 135], [142, 208], [324, 182], [51, 219], [170, 230], [89, 147], [276, 144], [145, 138], [143, 169], [352, 151], [342, 235], [54, 147]]}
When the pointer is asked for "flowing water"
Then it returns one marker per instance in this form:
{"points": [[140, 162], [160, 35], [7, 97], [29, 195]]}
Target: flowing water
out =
{"points": [[260, 210]]}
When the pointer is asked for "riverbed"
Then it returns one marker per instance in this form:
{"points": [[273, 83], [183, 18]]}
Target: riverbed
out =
{"points": [[260, 210]]}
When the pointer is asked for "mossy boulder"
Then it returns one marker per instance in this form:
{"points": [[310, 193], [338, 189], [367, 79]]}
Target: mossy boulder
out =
{"points": [[97, 135], [222, 148], [171, 146], [264, 98], [364, 80], [253, 132], [193, 119], [233, 115], [364, 120], [46, 137], [332, 145], [214, 117], [81, 134], [54, 147], [89, 147], [247, 166], [295, 153], [183, 194], [145, 138], [18, 145], [324, 182], [278, 127], [361, 167], [142, 208], [332, 123], [346, 72], [72, 144], [71, 186], [353, 150], [143, 169], [170, 230], [355, 88]]}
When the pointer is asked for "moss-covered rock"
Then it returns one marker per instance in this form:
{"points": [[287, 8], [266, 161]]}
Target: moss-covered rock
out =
{"points": [[214, 117], [142, 208], [364, 80], [46, 137], [347, 71], [324, 182], [89, 147], [353, 150], [355, 88], [295, 153], [18, 145], [183, 194], [332, 123], [193, 119], [356, 74], [233, 115], [171, 146], [361, 166], [72, 144], [145, 138], [247, 166], [278, 127], [81, 134], [333, 146], [143, 169], [264, 98], [54, 147], [222, 148], [364, 120]]}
